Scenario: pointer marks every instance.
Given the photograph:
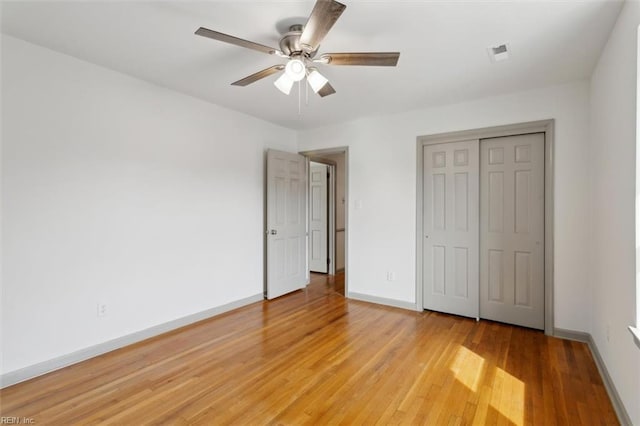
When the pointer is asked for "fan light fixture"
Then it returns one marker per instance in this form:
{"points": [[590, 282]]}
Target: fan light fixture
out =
{"points": [[284, 83], [295, 69], [316, 80]]}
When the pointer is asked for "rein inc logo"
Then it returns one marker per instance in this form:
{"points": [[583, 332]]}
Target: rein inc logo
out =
{"points": [[14, 420]]}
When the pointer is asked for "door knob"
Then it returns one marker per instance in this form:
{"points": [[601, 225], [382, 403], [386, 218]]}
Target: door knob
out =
{"points": [[274, 232]]}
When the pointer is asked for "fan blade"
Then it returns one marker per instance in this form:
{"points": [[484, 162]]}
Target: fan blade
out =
{"points": [[204, 32], [324, 14], [258, 76], [326, 90], [384, 59]]}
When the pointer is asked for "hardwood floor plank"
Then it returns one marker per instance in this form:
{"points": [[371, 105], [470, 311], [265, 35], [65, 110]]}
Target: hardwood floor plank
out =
{"points": [[314, 357]]}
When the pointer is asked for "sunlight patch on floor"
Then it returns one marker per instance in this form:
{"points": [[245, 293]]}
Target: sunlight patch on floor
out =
{"points": [[508, 396], [468, 368]]}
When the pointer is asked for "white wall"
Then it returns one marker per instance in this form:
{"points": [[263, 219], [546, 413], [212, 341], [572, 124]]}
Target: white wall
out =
{"points": [[382, 176], [612, 177], [118, 191]]}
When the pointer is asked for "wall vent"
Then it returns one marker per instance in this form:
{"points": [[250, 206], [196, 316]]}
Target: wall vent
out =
{"points": [[499, 52]]}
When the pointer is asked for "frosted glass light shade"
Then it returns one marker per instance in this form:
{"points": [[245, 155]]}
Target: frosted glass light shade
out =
{"points": [[316, 80], [284, 83], [295, 69]]}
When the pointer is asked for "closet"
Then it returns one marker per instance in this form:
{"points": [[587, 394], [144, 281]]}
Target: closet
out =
{"points": [[483, 228]]}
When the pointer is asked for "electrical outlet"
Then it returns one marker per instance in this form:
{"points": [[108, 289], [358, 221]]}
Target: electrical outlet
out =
{"points": [[391, 276], [102, 309]]}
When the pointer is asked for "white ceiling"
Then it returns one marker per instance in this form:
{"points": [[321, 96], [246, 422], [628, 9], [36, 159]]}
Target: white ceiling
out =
{"points": [[442, 43]]}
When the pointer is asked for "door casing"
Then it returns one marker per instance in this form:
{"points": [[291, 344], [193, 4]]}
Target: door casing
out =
{"points": [[543, 126]]}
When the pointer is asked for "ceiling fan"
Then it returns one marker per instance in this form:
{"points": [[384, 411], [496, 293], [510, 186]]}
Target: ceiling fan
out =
{"points": [[300, 46]]}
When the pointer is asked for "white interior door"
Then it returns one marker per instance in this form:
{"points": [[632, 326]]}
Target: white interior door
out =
{"points": [[318, 220], [286, 223], [512, 230], [450, 224]]}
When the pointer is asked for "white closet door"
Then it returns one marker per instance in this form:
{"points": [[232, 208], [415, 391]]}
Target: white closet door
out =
{"points": [[512, 230], [451, 214]]}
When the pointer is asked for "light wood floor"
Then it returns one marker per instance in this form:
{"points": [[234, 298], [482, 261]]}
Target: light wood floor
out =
{"points": [[314, 357]]}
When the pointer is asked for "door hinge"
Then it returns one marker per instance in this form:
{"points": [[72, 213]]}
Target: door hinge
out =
{"points": [[328, 261]]}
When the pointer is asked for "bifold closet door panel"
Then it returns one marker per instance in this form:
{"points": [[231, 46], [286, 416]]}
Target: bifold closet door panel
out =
{"points": [[451, 228], [512, 230]]}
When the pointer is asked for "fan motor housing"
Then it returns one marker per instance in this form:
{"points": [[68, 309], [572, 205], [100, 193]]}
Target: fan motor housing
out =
{"points": [[290, 43]]}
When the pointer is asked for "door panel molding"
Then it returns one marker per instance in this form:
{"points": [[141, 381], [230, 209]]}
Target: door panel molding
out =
{"points": [[542, 126]]}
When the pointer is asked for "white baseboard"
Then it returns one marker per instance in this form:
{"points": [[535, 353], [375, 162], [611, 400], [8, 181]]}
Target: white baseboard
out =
{"points": [[583, 337], [578, 336], [382, 301], [57, 363]]}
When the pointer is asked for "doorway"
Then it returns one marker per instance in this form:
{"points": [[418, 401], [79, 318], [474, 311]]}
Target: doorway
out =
{"points": [[485, 224], [327, 232]]}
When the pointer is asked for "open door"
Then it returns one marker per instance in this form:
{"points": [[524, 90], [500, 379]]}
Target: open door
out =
{"points": [[319, 219], [286, 223]]}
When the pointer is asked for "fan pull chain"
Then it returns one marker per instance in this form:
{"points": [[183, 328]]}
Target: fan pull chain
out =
{"points": [[299, 98], [306, 96]]}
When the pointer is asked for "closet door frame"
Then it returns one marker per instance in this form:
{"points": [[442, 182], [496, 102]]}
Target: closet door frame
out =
{"points": [[543, 126]]}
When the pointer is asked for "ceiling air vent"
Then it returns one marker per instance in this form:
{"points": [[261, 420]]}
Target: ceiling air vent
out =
{"points": [[498, 53]]}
